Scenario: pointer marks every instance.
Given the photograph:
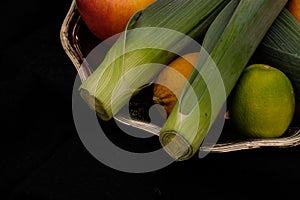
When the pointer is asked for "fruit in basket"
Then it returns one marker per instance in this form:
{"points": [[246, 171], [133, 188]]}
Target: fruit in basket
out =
{"points": [[294, 7], [171, 80], [262, 104], [106, 18]]}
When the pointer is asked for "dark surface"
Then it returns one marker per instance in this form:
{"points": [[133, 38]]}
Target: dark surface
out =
{"points": [[42, 156]]}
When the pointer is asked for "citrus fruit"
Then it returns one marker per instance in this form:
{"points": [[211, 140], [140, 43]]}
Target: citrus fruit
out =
{"points": [[262, 103], [172, 79]]}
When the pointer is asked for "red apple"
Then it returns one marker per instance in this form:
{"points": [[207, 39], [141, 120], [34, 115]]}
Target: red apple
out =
{"points": [[105, 18]]}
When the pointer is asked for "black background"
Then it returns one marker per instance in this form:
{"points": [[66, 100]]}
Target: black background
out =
{"points": [[42, 156]]}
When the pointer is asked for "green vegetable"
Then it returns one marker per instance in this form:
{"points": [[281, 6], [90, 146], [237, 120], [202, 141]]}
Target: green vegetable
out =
{"points": [[118, 77], [231, 41]]}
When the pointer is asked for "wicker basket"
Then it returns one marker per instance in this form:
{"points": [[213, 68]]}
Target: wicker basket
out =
{"points": [[77, 42]]}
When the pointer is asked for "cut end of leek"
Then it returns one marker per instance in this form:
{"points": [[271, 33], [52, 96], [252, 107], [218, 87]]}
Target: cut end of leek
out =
{"points": [[176, 145], [94, 104]]}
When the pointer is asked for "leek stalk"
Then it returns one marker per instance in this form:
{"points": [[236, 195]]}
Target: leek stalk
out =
{"points": [[231, 41], [136, 47]]}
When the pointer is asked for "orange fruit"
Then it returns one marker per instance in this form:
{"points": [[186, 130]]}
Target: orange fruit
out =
{"points": [[172, 79], [262, 103], [294, 8]]}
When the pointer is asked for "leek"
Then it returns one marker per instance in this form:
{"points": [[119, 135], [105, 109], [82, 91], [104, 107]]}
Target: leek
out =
{"points": [[141, 48], [231, 41]]}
